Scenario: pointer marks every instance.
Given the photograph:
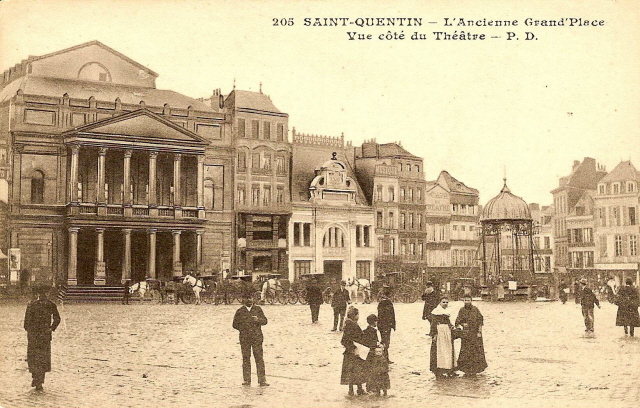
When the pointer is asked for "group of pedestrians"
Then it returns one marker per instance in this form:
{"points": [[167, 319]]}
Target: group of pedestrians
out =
{"points": [[626, 299]]}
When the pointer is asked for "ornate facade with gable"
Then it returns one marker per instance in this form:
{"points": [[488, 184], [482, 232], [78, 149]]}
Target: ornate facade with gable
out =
{"points": [[331, 229]]}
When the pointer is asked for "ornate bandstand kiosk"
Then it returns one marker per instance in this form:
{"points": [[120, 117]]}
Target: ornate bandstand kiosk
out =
{"points": [[507, 247]]}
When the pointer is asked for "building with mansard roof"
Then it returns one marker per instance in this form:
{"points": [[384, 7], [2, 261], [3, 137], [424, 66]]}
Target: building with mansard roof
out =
{"points": [[332, 225], [109, 178]]}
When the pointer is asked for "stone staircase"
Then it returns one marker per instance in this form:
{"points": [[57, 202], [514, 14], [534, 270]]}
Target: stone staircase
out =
{"points": [[90, 293]]}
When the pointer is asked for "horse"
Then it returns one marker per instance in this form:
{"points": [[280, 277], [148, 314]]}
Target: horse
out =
{"points": [[359, 285], [270, 287], [196, 284], [140, 287]]}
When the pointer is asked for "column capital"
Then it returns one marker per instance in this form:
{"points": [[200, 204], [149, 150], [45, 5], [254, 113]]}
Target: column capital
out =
{"points": [[200, 232], [128, 153], [176, 232], [127, 231], [152, 230], [153, 155], [200, 158], [177, 157], [102, 151], [99, 230], [75, 149], [74, 230]]}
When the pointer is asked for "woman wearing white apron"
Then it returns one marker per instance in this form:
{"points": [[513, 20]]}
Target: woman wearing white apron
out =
{"points": [[443, 361]]}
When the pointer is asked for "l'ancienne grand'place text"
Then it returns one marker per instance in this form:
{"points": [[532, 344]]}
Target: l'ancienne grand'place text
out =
{"points": [[448, 22]]}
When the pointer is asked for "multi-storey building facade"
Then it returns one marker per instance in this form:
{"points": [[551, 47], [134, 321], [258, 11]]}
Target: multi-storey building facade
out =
{"points": [[393, 182], [464, 219], [332, 224], [106, 174], [437, 247], [584, 177], [543, 237], [262, 169], [617, 228], [581, 237]]}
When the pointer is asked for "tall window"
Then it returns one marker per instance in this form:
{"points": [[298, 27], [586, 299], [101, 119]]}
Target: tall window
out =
{"points": [[266, 196], [632, 216], [402, 195], [255, 129], [301, 268], [255, 196], [266, 129], [255, 161], [242, 131], [633, 245], [241, 195], [242, 160], [616, 188], [392, 194], [378, 193], [37, 187], [363, 269], [410, 194], [280, 132], [392, 223], [280, 195], [411, 224], [266, 164], [280, 169], [379, 220], [402, 222], [419, 195], [333, 238], [618, 245]]}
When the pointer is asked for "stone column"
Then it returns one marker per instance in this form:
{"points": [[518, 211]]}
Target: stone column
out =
{"points": [[176, 185], [73, 176], [177, 265], [201, 186], [126, 257], [152, 200], [199, 265], [126, 185], [151, 263], [72, 266], [99, 277], [102, 202]]}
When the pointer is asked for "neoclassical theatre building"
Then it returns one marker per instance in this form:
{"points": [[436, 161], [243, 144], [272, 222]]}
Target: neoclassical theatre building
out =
{"points": [[108, 177], [105, 178]]}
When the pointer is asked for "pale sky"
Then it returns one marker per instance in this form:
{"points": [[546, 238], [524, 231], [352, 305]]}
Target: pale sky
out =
{"points": [[473, 108]]}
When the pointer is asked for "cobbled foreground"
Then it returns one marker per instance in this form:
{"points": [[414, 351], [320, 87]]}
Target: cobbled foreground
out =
{"points": [[144, 355]]}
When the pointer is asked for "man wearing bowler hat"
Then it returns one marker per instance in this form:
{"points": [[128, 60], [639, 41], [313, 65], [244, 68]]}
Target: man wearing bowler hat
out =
{"points": [[249, 320]]}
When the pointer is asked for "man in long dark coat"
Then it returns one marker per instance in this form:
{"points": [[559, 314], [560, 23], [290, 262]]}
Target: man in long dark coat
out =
{"points": [[249, 320], [339, 302], [431, 299], [40, 320], [314, 298], [386, 321], [471, 360]]}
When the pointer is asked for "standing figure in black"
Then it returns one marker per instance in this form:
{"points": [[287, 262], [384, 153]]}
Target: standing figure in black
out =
{"points": [[126, 294], [40, 320], [386, 321], [249, 320], [587, 300], [628, 303], [339, 304], [431, 299], [314, 298], [562, 291]]}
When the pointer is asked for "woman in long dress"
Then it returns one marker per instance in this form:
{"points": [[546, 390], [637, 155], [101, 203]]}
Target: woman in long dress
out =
{"points": [[628, 302], [353, 366], [442, 352], [471, 360]]}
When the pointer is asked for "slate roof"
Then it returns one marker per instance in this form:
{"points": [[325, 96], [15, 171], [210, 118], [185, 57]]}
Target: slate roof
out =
{"points": [[105, 92], [624, 171], [454, 185], [250, 100]]}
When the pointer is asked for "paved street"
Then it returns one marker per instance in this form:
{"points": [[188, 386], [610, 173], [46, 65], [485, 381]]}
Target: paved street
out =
{"points": [[189, 356]]}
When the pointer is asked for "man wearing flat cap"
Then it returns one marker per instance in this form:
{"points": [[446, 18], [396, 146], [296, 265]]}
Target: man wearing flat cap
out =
{"points": [[249, 320], [339, 302], [587, 300]]}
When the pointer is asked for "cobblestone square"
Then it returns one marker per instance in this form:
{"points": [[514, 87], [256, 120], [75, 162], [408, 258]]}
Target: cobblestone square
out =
{"points": [[189, 356]]}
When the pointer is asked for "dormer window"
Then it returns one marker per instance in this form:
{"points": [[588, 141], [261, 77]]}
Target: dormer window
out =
{"points": [[602, 189], [631, 187], [616, 188]]}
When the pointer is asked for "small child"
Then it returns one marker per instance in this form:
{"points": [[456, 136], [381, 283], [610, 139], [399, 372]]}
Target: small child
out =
{"points": [[378, 382]]}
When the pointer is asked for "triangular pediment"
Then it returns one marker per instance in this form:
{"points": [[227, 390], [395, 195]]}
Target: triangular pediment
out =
{"points": [[141, 125]]}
